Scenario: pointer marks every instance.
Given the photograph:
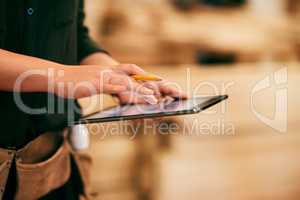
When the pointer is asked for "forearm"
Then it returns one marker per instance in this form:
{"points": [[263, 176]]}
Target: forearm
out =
{"points": [[13, 65]]}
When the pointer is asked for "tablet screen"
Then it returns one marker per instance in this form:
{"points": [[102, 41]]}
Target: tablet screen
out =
{"points": [[164, 108]]}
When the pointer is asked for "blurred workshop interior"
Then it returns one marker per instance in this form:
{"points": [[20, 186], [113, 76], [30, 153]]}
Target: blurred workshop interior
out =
{"points": [[246, 148]]}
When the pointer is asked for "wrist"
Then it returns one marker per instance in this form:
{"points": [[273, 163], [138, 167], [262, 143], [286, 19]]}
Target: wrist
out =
{"points": [[37, 79], [56, 76]]}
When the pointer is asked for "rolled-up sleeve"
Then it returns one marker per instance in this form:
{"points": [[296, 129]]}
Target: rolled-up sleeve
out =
{"points": [[86, 46]]}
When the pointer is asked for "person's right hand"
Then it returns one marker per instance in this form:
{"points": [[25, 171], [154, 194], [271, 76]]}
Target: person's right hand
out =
{"points": [[87, 80]]}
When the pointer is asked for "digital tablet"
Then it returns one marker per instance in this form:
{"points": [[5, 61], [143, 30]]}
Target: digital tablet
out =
{"points": [[139, 111]]}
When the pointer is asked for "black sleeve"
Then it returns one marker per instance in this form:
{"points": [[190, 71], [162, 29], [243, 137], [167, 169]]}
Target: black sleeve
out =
{"points": [[86, 45]]}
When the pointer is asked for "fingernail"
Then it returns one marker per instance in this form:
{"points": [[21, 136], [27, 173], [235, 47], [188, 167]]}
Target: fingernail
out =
{"points": [[147, 91], [167, 100], [150, 99]]}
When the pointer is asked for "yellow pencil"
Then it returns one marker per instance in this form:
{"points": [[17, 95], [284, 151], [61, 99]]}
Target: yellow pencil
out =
{"points": [[147, 77]]}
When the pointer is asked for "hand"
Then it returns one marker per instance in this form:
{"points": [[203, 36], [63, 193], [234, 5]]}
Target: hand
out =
{"points": [[161, 89], [82, 81], [126, 97], [166, 88]]}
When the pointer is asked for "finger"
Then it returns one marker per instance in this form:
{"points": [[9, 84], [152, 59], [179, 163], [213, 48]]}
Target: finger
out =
{"points": [[131, 69], [130, 84], [125, 99], [139, 88], [153, 86], [150, 99], [114, 89], [172, 91], [135, 98]]}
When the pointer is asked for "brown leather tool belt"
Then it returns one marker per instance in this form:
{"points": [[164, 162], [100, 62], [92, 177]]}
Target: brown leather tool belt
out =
{"points": [[41, 166]]}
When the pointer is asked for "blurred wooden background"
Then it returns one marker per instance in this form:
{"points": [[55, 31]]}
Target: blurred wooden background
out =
{"points": [[156, 32], [232, 154]]}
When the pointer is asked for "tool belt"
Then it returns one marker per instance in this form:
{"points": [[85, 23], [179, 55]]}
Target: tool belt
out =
{"points": [[42, 165]]}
